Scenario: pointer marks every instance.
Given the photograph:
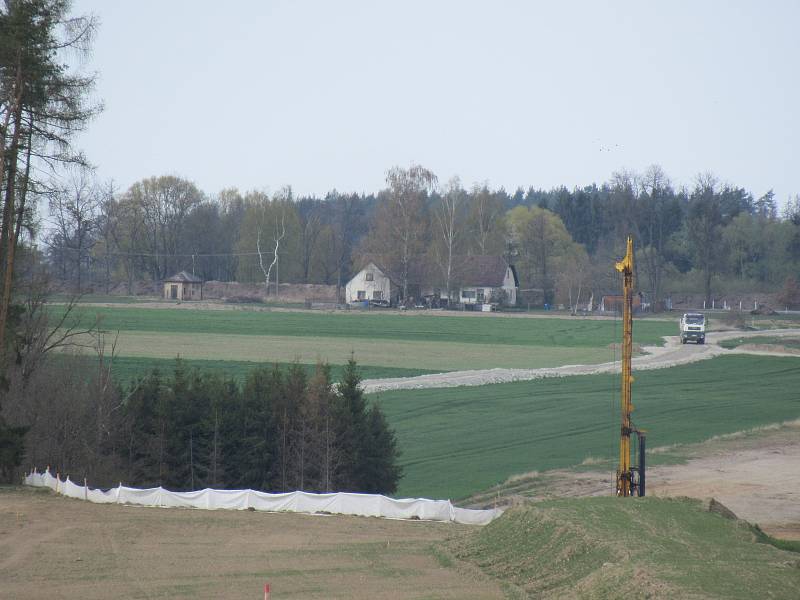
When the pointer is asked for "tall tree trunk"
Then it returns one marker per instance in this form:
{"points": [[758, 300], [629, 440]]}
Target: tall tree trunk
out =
{"points": [[9, 229]]}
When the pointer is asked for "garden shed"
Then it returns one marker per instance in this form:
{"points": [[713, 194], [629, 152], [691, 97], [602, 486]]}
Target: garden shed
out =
{"points": [[183, 286]]}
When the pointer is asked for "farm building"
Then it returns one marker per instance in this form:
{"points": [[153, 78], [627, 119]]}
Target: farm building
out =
{"points": [[473, 280], [371, 283], [183, 286], [486, 279]]}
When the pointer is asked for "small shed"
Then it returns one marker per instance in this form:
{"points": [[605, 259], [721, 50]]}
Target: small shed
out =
{"points": [[183, 286]]}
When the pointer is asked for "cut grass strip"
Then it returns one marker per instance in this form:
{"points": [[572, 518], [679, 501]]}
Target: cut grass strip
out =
{"points": [[417, 355]]}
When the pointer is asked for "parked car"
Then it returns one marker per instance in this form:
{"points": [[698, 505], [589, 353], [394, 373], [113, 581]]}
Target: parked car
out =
{"points": [[379, 303]]}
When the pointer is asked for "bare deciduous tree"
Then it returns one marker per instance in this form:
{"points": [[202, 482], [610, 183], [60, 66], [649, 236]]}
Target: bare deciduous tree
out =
{"points": [[75, 211], [448, 218], [278, 233]]}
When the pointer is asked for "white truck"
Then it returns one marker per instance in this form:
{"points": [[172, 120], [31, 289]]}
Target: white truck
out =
{"points": [[693, 327]]}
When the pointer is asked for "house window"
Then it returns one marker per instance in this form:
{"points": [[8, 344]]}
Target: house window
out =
{"points": [[369, 276], [362, 295], [481, 296], [468, 294], [377, 295]]}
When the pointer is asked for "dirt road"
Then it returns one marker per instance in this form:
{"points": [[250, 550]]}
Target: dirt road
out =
{"points": [[673, 353]]}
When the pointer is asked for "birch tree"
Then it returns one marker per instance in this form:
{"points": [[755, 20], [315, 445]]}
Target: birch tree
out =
{"points": [[448, 215], [486, 220], [400, 223]]}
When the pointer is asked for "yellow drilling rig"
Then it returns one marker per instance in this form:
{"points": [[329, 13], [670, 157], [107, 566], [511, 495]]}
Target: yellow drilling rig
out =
{"points": [[630, 479]]}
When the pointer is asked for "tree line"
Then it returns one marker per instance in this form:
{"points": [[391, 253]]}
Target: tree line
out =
{"points": [[281, 429], [562, 241]]}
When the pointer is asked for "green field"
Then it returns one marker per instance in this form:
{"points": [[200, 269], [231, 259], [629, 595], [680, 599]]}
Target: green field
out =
{"points": [[416, 326], [787, 342], [416, 342], [458, 441], [638, 548]]}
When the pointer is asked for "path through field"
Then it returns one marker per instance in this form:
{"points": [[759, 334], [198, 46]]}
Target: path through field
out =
{"points": [[673, 353]]}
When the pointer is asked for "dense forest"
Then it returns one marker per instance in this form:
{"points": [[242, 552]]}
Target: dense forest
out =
{"points": [[710, 238]]}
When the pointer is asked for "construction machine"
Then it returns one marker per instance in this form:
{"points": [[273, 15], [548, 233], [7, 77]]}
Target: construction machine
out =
{"points": [[630, 478]]}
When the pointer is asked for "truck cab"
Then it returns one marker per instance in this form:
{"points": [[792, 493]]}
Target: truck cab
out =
{"points": [[693, 327]]}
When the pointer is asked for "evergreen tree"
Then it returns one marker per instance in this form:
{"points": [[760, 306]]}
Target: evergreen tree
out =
{"points": [[350, 416], [379, 471], [12, 448], [250, 432]]}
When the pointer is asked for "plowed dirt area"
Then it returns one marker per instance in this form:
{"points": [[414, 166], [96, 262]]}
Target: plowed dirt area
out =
{"points": [[756, 474], [55, 547]]}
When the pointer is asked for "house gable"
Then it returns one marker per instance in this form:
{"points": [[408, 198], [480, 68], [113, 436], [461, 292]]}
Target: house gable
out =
{"points": [[370, 283]]}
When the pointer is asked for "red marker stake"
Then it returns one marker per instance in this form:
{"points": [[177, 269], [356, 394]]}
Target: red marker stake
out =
{"points": [[266, 591]]}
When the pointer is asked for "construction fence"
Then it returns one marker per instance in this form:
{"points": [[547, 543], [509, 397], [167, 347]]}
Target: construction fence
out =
{"points": [[340, 503]]}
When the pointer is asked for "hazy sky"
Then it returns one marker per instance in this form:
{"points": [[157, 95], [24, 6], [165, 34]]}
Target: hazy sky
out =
{"points": [[324, 95]]}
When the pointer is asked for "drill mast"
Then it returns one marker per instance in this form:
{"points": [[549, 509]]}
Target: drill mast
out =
{"points": [[628, 484]]}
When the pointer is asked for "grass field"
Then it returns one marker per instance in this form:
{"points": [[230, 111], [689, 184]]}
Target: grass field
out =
{"points": [[457, 441], [415, 356], [415, 327], [786, 342], [417, 342], [642, 548], [56, 547]]}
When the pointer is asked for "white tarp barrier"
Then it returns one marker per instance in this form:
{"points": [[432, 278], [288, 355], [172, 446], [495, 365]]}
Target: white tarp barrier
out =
{"points": [[340, 503]]}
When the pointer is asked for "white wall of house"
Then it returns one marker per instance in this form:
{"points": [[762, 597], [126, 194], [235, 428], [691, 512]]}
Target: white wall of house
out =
{"points": [[483, 294], [370, 283], [510, 287]]}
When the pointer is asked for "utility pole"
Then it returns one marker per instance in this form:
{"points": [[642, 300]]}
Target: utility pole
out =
{"points": [[627, 483]]}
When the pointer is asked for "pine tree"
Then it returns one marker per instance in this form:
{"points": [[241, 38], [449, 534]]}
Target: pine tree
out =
{"points": [[12, 448], [379, 472], [252, 440], [350, 418]]}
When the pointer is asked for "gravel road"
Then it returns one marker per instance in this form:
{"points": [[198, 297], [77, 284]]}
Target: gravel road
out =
{"points": [[673, 353]]}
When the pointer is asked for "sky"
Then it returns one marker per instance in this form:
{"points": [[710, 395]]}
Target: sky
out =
{"points": [[322, 95]]}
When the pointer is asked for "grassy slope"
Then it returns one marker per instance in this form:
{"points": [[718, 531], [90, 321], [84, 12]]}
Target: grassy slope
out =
{"points": [[490, 329], [458, 441], [126, 368], [639, 548]]}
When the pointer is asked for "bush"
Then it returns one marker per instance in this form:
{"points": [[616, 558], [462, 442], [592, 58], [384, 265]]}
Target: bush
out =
{"points": [[789, 296], [735, 319]]}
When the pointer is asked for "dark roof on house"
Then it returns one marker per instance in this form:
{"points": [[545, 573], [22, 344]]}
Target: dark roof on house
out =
{"points": [[183, 277], [488, 271], [470, 271]]}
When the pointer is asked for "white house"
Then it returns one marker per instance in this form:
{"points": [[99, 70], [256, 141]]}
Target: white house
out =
{"points": [[370, 283], [484, 280], [474, 280]]}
